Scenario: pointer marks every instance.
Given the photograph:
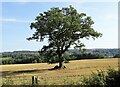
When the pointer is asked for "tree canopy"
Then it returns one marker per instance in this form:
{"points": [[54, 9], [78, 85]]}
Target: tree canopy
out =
{"points": [[63, 27]]}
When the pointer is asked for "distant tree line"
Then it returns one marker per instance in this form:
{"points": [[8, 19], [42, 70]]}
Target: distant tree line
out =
{"points": [[22, 57], [87, 56], [36, 58], [117, 55], [105, 52]]}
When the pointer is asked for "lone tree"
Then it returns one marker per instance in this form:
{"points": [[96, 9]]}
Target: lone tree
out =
{"points": [[62, 28]]}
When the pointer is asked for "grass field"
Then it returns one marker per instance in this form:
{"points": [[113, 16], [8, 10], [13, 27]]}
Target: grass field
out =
{"points": [[22, 73]]}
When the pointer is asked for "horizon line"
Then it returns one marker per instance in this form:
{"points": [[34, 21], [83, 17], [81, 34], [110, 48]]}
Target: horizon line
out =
{"points": [[68, 49]]}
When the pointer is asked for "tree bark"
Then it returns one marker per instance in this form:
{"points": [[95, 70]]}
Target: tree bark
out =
{"points": [[61, 62]]}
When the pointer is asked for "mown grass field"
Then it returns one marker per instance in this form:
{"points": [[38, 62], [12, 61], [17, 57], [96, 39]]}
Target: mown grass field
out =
{"points": [[22, 73]]}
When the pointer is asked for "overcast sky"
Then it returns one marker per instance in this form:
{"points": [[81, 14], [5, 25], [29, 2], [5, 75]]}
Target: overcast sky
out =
{"points": [[17, 16]]}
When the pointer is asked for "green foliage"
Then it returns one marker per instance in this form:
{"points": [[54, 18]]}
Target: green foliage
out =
{"points": [[46, 58], [50, 56], [35, 61], [113, 78], [67, 58], [7, 60], [95, 80], [62, 28], [87, 56], [100, 79], [117, 56], [23, 58]]}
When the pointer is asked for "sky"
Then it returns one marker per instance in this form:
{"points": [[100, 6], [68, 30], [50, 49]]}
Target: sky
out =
{"points": [[17, 16]]}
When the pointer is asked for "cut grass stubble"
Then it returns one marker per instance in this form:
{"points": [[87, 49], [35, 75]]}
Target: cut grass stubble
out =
{"points": [[22, 73]]}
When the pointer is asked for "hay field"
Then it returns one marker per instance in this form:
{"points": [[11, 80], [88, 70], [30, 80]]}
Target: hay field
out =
{"points": [[22, 73]]}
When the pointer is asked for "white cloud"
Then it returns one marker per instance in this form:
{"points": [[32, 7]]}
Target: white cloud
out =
{"points": [[13, 20]]}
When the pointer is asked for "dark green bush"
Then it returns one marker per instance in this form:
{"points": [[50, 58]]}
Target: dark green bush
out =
{"points": [[35, 61], [113, 78], [95, 80], [117, 56], [100, 79]]}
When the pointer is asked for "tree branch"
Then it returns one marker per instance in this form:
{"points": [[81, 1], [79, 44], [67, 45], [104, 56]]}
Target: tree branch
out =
{"points": [[66, 48]]}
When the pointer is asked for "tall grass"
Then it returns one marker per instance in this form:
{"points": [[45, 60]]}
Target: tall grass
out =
{"points": [[111, 78]]}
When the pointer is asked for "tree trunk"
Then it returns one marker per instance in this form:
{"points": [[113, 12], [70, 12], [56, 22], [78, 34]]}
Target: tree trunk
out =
{"points": [[61, 62]]}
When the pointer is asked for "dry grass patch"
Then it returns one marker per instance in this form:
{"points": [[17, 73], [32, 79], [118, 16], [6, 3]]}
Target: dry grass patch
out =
{"points": [[74, 71]]}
